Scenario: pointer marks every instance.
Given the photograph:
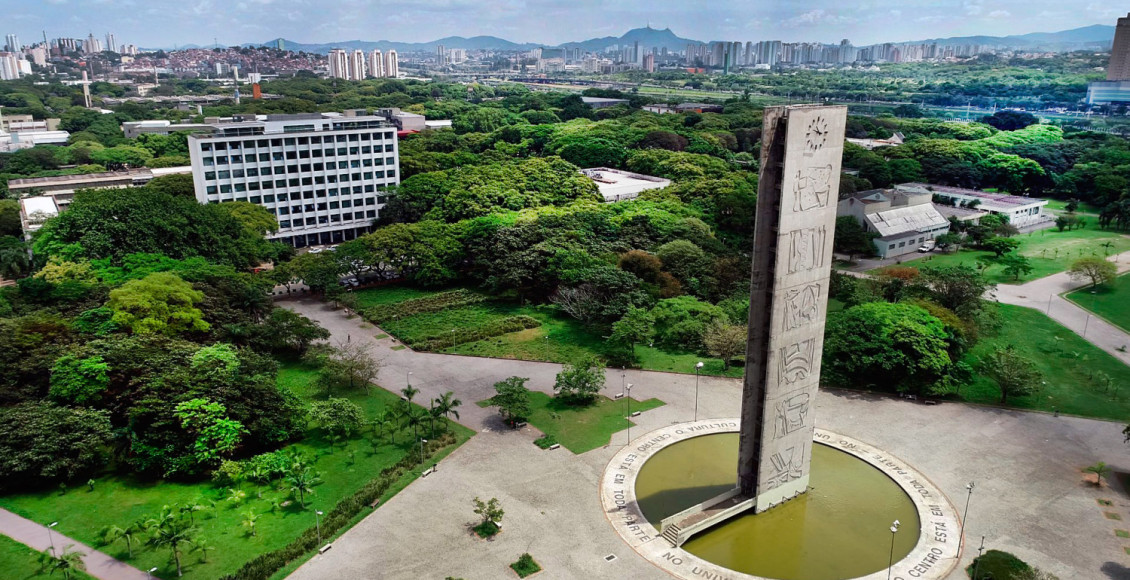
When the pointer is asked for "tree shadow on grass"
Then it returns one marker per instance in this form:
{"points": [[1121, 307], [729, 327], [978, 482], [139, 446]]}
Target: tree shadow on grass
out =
{"points": [[1115, 571]]}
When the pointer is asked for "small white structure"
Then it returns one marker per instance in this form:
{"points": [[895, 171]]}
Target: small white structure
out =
{"points": [[35, 211], [1020, 211], [616, 185], [869, 144], [603, 103]]}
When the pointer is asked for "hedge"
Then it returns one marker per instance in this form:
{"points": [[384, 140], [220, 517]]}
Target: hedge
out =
{"points": [[434, 303], [488, 330], [262, 567]]}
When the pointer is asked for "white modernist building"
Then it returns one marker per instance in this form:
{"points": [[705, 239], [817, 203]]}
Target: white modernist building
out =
{"points": [[376, 64], [617, 185], [323, 175], [357, 65], [339, 64], [1020, 211], [902, 220], [392, 64]]}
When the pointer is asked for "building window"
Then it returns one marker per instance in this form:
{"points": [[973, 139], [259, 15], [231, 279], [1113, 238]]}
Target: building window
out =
{"points": [[240, 187], [290, 140], [209, 175], [311, 221], [280, 183], [269, 198], [237, 173], [221, 146], [224, 175], [335, 218], [225, 189], [347, 215], [210, 189], [284, 224], [901, 244], [292, 155], [346, 203], [205, 146], [222, 160], [209, 161], [237, 159], [371, 213]]}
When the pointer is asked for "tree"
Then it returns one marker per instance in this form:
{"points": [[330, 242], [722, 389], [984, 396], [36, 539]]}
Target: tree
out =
{"points": [[201, 545], [256, 218], [636, 326], [684, 260], [1100, 470], [349, 365], [173, 531], [447, 405], [1015, 265], [1014, 373], [78, 381], [14, 261], [10, 218], [959, 288], [67, 562], [319, 271], [112, 533], [900, 347], [249, 519], [1007, 120], [1000, 246], [42, 442], [174, 185], [512, 399], [302, 480], [338, 417], [851, 239], [580, 381], [909, 110], [490, 511], [681, 321], [1096, 270], [216, 434], [160, 303], [725, 341], [949, 240]]}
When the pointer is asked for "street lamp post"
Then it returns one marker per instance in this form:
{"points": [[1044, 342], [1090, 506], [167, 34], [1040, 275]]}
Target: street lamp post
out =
{"points": [[628, 398], [547, 349], [422, 442], [697, 368], [318, 523], [969, 488], [149, 572], [977, 562], [50, 538], [408, 378], [891, 561]]}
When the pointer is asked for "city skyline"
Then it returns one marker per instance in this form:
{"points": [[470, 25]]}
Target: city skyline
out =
{"points": [[548, 22]]}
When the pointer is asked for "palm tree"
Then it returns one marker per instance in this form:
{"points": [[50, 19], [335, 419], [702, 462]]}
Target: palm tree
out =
{"points": [[446, 404], [201, 545], [302, 482], [169, 530], [249, 520], [192, 508], [111, 534], [67, 562], [261, 476], [383, 419], [236, 496], [415, 418], [1101, 470]]}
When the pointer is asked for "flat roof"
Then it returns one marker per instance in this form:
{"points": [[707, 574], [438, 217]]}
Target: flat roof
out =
{"points": [[41, 203], [78, 178], [996, 198], [905, 219], [961, 213], [615, 184], [602, 100]]}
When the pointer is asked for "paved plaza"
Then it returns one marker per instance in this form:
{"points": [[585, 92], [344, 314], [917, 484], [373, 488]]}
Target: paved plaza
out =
{"points": [[1030, 497]]}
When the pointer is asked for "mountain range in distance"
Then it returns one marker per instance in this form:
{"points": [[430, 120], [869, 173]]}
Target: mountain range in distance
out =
{"points": [[1098, 36]]}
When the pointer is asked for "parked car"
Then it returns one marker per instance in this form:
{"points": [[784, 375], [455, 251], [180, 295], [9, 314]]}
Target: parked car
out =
{"points": [[927, 246]]}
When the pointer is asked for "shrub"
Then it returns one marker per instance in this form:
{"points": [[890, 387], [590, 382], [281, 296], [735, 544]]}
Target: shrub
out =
{"points": [[545, 441], [997, 565], [486, 529], [525, 565]]}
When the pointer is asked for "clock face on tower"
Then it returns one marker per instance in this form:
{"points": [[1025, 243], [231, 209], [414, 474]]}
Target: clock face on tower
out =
{"points": [[817, 135]]}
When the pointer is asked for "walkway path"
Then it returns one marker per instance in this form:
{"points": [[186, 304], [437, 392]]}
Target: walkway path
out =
{"points": [[1026, 465], [1044, 295], [39, 538]]}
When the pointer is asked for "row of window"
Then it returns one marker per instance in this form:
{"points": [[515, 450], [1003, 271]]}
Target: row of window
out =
{"points": [[261, 185], [301, 182], [903, 244], [324, 219], [303, 154], [279, 142], [324, 206], [303, 168]]}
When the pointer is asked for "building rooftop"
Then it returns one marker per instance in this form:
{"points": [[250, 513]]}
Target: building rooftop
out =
{"points": [[617, 185], [961, 213], [997, 199], [78, 178], [901, 220], [592, 100]]}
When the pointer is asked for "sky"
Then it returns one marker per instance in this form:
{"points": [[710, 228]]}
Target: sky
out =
{"points": [[165, 23]]}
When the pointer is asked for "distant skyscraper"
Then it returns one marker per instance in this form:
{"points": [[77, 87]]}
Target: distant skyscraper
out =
{"points": [[357, 65], [1119, 69], [280, 44], [111, 42], [376, 64], [92, 45], [339, 64], [392, 65], [12, 43], [649, 62]]}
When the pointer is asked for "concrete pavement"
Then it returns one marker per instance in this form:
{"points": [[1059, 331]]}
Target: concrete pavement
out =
{"points": [[1030, 497], [38, 538]]}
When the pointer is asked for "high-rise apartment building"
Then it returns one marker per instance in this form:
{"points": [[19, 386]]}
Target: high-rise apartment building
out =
{"points": [[92, 45], [11, 43], [392, 65], [111, 42], [323, 175], [339, 64], [9, 66], [357, 65], [376, 64], [1119, 68]]}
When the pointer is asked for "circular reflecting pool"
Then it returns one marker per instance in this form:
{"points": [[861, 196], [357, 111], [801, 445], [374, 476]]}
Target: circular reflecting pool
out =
{"points": [[839, 529]]}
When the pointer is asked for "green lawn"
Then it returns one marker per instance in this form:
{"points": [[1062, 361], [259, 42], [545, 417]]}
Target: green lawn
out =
{"points": [[1085, 209], [568, 339], [1110, 302], [18, 562], [1049, 252], [121, 500], [581, 429], [388, 295], [1068, 365]]}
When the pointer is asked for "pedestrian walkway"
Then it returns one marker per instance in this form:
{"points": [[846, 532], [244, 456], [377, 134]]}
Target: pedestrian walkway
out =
{"points": [[1045, 295], [39, 538]]}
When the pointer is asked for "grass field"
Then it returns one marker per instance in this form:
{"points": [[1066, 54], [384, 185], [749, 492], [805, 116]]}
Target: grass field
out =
{"points": [[1085, 209], [1110, 302], [18, 562], [1049, 252], [122, 500], [1068, 363], [560, 338], [581, 429]]}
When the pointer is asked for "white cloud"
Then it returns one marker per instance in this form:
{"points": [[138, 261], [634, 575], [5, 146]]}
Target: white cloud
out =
{"points": [[1000, 14], [973, 7]]}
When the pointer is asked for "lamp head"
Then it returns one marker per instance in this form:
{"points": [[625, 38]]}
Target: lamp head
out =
{"points": [[699, 365], [970, 486]]}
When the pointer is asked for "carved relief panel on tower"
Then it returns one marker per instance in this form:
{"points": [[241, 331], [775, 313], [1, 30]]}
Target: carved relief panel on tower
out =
{"points": [[806, 249], [802, 306], [797, 361]]}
